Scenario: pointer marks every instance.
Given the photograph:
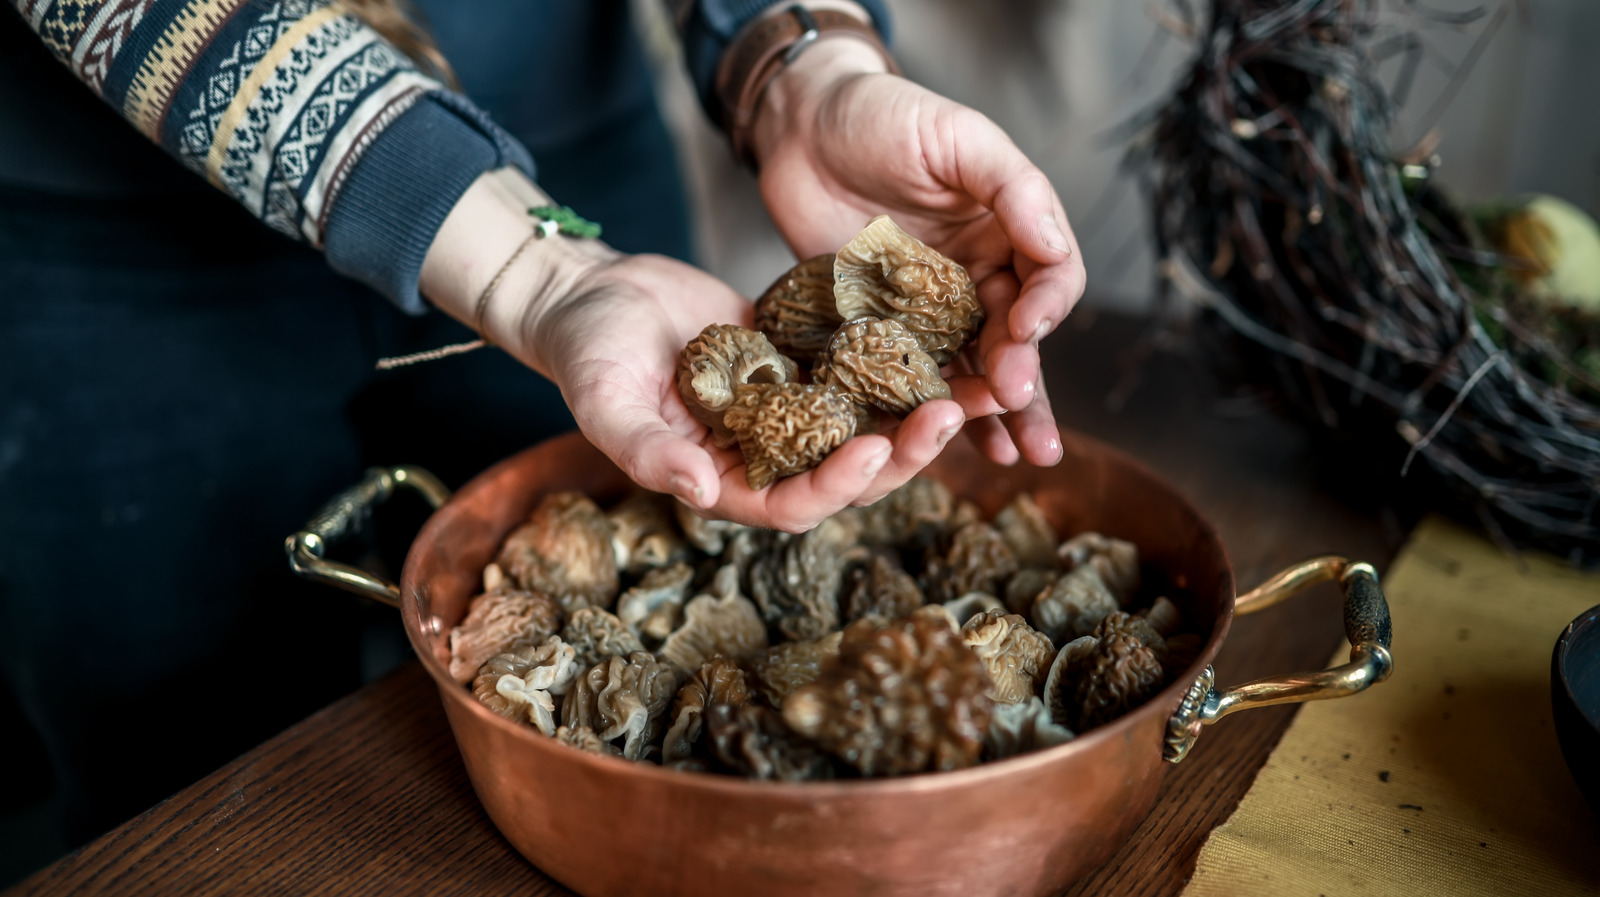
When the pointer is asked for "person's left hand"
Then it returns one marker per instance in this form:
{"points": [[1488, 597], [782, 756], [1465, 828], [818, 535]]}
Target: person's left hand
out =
{"points": [[839, 141]]}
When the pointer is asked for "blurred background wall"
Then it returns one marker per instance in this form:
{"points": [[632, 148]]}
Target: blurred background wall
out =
{"points": [[1061, 76]]}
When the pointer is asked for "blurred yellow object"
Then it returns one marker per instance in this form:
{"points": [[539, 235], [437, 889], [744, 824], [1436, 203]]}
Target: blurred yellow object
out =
{"points": [[1560, 245]]}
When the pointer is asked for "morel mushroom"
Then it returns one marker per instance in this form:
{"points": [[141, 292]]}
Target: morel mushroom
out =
{"points": [[885, 272], [797, 313], [880, 364], [1017, 657], [1025, 586], [642, 535], [721, 622], [1163, 616], [718, 681], [622, 697], [1022, 727], [498, 622], [912, 516], [1097, 678], [564, 551], [1116, 561], [1027, 531], [903, 697], [796, 584], [979, 560], [710, 536], [787, 666], [880, 588], [787, 428], [596, 634], [753, 741], [1073, 606], [518, 685], [716, 363], [654, 606], [584, 739]]}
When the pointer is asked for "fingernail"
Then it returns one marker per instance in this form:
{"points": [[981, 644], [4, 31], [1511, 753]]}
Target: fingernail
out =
{"points": [[1043, 330], [1052, 234], [685, 488], [948, 433], [1055, 448], [875, 464]]}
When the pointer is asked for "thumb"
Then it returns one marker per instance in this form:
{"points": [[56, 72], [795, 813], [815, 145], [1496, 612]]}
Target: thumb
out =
{"points": [[635, 436]]}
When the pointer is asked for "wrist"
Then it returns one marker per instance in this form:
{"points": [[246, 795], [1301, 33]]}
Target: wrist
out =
{"points": [[800, 44], [795, 94], [487, 268]]}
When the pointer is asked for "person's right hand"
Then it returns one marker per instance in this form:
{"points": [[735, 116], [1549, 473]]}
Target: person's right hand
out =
{"points": [[611, 343]]}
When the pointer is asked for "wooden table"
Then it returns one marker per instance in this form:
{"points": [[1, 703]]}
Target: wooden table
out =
{"points": [[369, 796]]}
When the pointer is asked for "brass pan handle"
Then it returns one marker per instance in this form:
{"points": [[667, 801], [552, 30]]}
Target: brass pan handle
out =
{"points": [[1366, 625], [346, 513]]}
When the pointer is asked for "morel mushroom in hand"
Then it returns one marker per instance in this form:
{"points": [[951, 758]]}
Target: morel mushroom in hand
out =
{"points": [[798, 313], [880, 364], [787, 428], [716, 363], [885, 272]]}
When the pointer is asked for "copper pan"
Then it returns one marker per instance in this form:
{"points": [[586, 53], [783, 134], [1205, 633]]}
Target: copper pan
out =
{"points": [[1030, 825]]}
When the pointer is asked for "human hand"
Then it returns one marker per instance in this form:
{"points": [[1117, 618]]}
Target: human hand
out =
{"points": [[839, 141], [608, 328], [612, 344]]}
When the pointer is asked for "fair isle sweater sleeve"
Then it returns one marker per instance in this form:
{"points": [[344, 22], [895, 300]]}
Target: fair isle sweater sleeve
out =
{"points": [[295, 108]]}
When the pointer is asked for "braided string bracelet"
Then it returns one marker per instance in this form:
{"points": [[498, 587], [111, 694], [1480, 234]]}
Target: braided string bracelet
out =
{"points": [[551, 220]]}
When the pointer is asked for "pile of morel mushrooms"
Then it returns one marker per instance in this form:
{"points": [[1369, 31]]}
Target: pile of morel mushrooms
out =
{"points": [[873, 323], [910, 636]]}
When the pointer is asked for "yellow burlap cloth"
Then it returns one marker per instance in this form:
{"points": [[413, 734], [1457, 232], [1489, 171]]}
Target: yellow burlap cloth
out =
{"points": [[1447, 778]]}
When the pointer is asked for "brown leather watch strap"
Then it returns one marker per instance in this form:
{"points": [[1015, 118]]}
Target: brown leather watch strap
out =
{"points": [[761, 51]]}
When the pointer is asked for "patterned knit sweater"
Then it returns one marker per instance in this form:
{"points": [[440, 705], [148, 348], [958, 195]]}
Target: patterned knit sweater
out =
{"points": [[326, 133]]}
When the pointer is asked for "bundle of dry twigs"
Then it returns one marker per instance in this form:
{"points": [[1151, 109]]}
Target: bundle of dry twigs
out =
{"points": [[1279, 205]]}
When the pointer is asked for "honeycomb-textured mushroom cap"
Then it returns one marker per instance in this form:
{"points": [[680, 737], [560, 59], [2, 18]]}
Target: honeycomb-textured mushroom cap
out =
{"points": [[880, 588], [787, 428], [1028, 532], [787, 666], [722, 621], [718, 681], [979, 560], [797, 313], [622, 697], [597, 634], [885, 272], [716, 363], [1115, 560], [1099, 677], [796, 583], [564, 551], [518, 685], [879, 363], [902, 697], [1016, 657], [1073, 605], [498, 622]]}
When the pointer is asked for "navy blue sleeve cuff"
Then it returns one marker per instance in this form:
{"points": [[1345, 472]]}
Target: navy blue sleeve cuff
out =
{"points": [[712, 24], [399, 192]]}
